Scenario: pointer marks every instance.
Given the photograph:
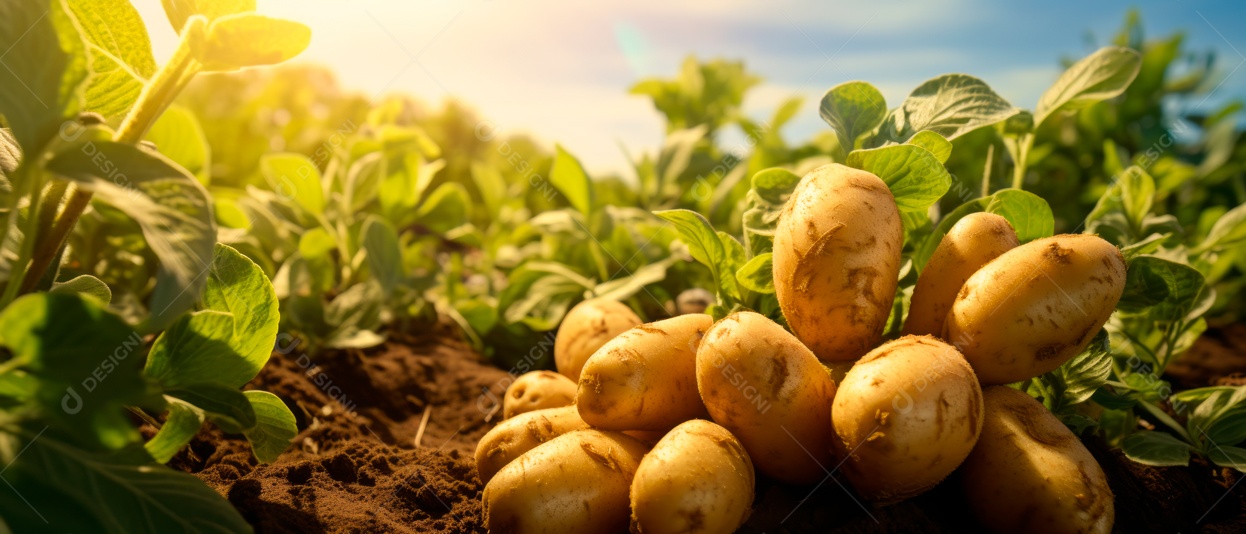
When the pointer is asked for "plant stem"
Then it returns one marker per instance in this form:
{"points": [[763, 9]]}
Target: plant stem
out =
{"points": [[30, 234], [1019, 166], [986, 170], [156, 97], [42, 257]]}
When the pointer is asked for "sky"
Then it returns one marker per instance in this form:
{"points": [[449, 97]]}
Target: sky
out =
{"points": [[560, 69]]}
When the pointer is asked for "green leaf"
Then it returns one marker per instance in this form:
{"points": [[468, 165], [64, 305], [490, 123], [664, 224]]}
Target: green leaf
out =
{"points": [[1079, 378], [1029, 215], [950, 105], [224, 405], [758, 274], [853, 109], [178, 136], [180, 10], [36, 80], [86, 360], [170, 207], [916, 177], [316, 243], [492, 187], [934, 143], [402, 191], [1230, 229], [703, 242], [1149, 447], [1151, 281], [1227, 456], [569, 177], [121, 491], [250, 40], [84, 285], [538, 295], [295, 177], [230, 338], [1099, 76], [356, 310], [384, 254], [274, 427], [109, 46], [178, 429], [446, 208], [764, 202]]}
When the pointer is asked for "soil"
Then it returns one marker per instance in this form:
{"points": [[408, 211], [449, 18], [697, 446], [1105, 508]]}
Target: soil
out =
{"points": [[387, 438]]}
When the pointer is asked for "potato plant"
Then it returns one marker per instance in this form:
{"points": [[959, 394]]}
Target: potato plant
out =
{"points": [[86, 353]]}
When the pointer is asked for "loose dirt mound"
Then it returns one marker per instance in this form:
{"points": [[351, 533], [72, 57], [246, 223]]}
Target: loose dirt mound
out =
{"points": [[355, 466]]}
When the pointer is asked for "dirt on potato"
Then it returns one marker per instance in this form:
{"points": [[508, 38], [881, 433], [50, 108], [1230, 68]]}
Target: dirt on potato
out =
{"points": [[355, 465]]}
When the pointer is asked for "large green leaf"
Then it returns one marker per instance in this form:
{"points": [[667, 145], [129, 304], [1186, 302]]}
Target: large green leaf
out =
{"points": [[250, 40], [384, 254], [1149, 447], [36, 80], [274, 427], [853, 109], [170, 207], [758, 274], [1229, 230], [569, 177], [1154, 281], [916, 177], [1099, 76], [703, 242], [109, 45], [934, 143], [86, 360], [224, 405], [950, 105], [538, 294], [230, 338], [180, 10], [122, 492], [85, 285], [296, 177], [446, 208]]}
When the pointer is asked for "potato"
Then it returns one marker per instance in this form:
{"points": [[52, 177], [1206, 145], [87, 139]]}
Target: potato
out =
{"points": [[762, 384], [575, 483], [972, 242], [588, 326], [836, 260], [1034, 307], [906, 415], [645, 379], [696, 479], [537, 390], [1029, 473], [515, 436]]}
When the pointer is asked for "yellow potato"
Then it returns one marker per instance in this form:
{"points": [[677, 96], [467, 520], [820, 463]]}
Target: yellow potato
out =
{"points": [[588, 326], [537, 390], [1029, 473], [906, 415], [575, 483], [697, 479], [836, 260], [762, 384], [645, 379], [972, 242], [1035, 306], [515, 436]]}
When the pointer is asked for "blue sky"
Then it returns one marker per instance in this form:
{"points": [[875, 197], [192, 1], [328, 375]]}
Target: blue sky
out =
{"points": [[560, 68]]}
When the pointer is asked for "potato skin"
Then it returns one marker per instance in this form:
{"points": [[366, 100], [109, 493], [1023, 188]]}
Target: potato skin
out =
{"points": [[836, 260], [516, 436], [972, 242], [588, 326], [577, 482], [1034, 307], [759, 382], [645, 379], [906, 415], [537, 390], [1029, 473], [697, 479]]}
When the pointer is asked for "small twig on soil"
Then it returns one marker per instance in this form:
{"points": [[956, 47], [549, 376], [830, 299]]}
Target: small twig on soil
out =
{"points": [[419, 434]]}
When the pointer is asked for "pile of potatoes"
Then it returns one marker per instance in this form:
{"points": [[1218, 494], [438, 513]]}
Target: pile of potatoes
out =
{"points": [[660, 427]]}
